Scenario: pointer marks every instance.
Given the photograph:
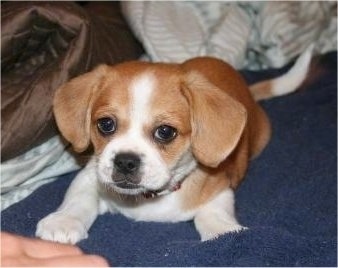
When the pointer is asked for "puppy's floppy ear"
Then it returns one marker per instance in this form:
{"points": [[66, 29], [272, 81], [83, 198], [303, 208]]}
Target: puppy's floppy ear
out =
{"points": [[72, 107], [217, 119]]}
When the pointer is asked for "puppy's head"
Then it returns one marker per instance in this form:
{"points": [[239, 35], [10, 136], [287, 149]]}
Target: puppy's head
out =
{"points": [[150, 124]]}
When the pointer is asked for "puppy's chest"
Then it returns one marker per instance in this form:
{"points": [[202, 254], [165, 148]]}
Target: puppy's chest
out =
{"points": [[166, 208]]}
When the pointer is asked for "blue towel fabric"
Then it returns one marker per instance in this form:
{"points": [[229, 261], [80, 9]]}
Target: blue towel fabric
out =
{"points": [[288, 199]]}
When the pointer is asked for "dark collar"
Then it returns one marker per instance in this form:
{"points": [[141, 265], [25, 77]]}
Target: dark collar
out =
{"points": [[153, 194]]}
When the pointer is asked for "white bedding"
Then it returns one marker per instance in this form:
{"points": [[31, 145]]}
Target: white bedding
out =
{"points": [[251, 35], [20, 176]]}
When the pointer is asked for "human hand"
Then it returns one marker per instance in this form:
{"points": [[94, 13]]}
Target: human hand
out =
{"points": [[21, 251]]}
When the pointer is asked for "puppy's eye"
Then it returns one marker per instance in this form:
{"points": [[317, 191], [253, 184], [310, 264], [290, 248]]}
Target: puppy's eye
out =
{"points": [[165, 134], [106, 125]]}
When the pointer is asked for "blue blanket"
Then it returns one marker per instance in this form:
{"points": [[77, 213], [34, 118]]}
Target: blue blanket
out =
{"points": [[288, 199]]}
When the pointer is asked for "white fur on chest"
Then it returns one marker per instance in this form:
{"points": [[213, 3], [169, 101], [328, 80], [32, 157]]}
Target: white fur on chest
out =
{"points": [[166, 208]]}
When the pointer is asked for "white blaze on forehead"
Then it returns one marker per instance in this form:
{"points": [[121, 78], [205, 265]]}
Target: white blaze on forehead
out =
{"points": [[141, 90]]}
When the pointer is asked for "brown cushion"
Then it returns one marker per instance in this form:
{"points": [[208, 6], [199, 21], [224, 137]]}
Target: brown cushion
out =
{"points": [[44, 44]]}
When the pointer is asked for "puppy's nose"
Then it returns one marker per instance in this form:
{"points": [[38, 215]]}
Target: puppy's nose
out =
{"points": [[127, 163]]}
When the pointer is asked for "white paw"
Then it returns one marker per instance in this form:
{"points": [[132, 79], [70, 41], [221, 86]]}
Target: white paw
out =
{"points": [[62, 228], [218, 217], [216, 230], [211, 225]]}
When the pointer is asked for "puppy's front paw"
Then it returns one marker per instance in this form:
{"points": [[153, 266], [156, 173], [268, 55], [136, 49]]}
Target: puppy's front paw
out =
{"points": [[62, 228], [217, 229], [212, 227]]}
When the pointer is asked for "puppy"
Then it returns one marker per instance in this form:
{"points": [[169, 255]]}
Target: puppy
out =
{"points": [[171, 142]]}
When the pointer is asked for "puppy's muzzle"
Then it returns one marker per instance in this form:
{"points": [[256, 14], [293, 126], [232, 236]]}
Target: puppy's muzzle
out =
{"points": [[127, 170]]}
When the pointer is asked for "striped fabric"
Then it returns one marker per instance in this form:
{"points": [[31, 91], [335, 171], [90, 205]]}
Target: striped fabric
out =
{"points": [[252, 35]]}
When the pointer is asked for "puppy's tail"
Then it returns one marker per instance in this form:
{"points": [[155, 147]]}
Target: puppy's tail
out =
{"points": [[286, 83]]}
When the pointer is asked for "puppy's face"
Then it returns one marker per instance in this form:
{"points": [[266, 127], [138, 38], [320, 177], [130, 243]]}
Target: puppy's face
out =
{"points": [[140, 128], [148, 126]]}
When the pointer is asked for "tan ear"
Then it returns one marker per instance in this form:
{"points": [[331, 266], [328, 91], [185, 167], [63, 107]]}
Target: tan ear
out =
{"points": [[218, 120], [72, 107]]}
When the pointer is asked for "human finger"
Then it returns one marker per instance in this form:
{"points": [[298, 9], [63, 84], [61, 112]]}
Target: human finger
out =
{"points": [[72, 261], [43, 249]]}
